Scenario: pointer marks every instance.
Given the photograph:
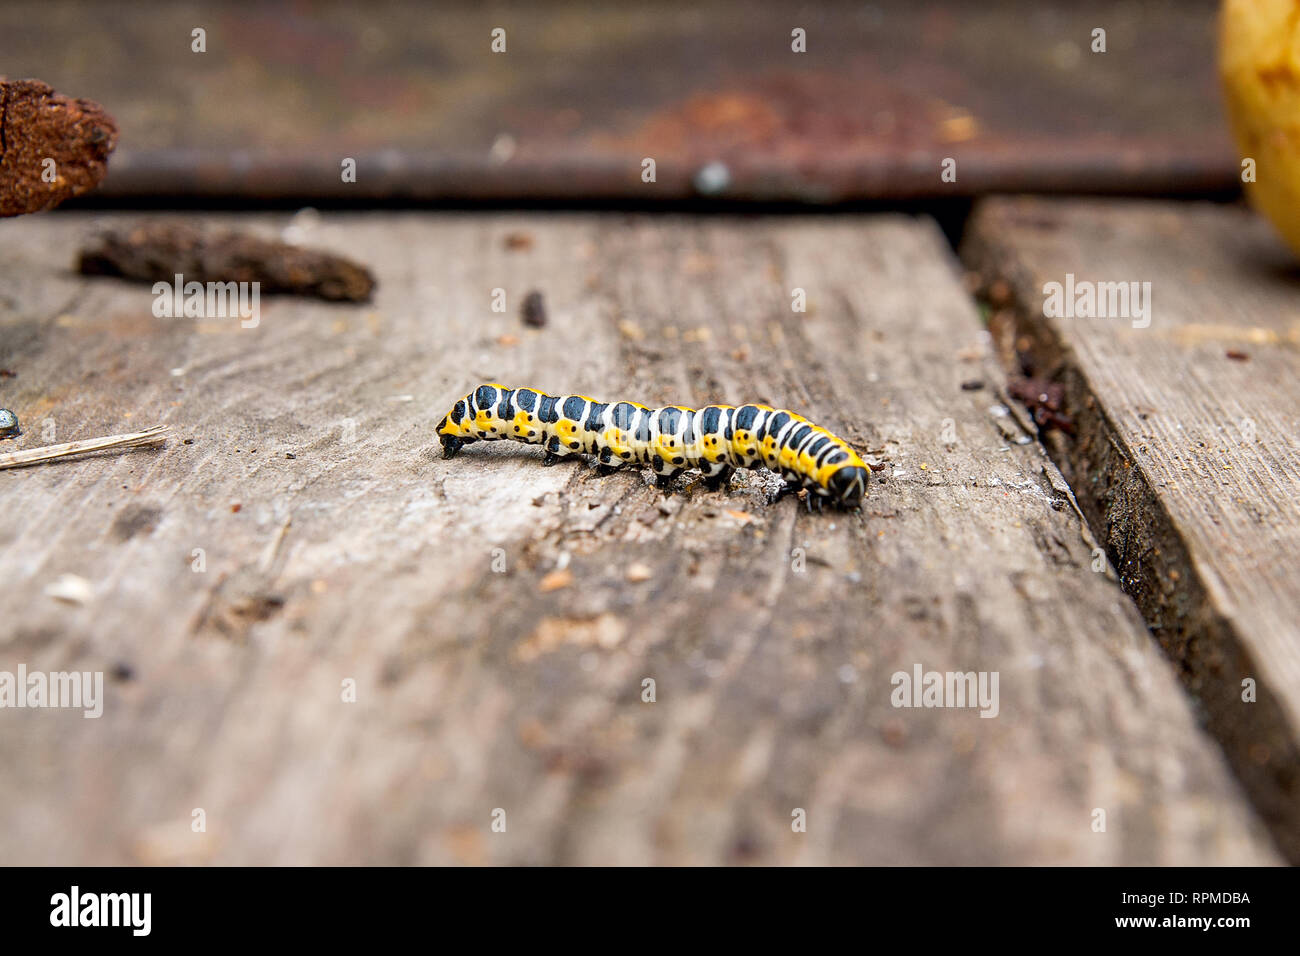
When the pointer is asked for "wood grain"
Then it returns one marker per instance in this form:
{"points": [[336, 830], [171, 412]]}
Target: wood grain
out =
{"points": [[1187, 454], [338, 546]]}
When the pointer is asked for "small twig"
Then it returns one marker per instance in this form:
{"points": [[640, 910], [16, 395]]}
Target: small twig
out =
{"points": [[35, 456], [272, 550]]}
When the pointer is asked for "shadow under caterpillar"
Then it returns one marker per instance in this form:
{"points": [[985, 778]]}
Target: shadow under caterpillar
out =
{"points": [[716, 439]]}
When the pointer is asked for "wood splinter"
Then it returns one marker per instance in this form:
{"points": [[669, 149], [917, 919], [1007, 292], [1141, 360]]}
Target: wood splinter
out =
{"points": [[36, 456]]}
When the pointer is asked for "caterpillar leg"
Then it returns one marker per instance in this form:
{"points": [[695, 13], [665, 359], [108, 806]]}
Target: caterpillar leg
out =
{"points": [[789, 488], [606, 463], [720, 480], [551, 458], [451, 445], [664, 482], [556, 452]]}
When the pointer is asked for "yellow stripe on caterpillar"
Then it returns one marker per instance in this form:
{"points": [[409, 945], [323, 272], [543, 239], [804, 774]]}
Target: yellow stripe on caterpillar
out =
{"points": [[715, 439]]}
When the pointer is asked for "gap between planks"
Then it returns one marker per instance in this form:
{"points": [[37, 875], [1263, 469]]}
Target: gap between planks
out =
{"points": [[1187, 454]]}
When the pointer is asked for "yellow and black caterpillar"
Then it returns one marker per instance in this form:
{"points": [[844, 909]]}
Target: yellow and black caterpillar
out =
{"points": [[715, 439]]}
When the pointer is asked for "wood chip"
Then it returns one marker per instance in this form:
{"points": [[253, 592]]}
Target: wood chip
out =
{"points": [[605, 631], [70, 589], [556, 580]]}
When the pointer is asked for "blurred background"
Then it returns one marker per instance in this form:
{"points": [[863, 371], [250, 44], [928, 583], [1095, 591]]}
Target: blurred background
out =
{"points": [[584, 93]]}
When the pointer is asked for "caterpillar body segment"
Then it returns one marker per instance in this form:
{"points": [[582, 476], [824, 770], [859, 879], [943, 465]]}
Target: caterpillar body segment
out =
{"points": [[716, 439]]}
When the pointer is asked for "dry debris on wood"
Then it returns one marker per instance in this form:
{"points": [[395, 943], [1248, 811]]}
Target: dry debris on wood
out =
{"points": [[52, 147], [1045, 401], [160, 251]]}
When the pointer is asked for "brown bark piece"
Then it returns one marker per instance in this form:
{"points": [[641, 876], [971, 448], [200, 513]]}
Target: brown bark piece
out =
{"points": [[159, 251], [37, 124]]}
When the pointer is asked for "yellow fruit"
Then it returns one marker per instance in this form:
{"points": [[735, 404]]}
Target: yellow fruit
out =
{"points": [[1259, 62]]}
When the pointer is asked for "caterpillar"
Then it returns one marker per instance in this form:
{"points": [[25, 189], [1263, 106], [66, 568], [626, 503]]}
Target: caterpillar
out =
{"points": [[716, 439]]}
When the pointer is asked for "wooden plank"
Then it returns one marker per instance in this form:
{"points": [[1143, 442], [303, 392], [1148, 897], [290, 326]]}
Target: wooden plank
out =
{"points": [[1187, 455], [366, 557], [584, 92]]}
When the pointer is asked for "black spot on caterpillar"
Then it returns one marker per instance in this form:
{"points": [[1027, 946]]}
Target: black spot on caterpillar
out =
{"points": [[715, 439]]}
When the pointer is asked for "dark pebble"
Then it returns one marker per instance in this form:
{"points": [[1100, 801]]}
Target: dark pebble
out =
{"points": [[122, 671], [534, 310]]}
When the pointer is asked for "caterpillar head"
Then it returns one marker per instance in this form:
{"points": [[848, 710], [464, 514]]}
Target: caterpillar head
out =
{"points": [[449, 433], [847, 485]]}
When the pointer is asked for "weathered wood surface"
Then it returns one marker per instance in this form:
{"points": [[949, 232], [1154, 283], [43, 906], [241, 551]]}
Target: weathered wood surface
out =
{"points": [[366, 557], [1187, 455], [585, 91]]}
